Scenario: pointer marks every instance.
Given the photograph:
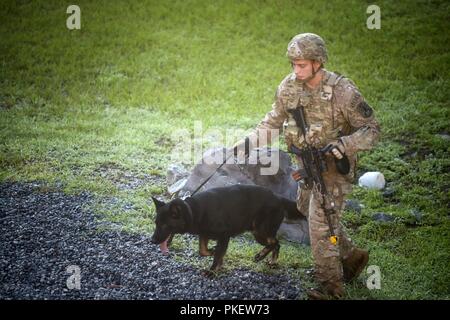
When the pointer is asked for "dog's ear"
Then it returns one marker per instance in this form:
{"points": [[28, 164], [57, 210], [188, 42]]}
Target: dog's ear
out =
{"points": [[175, 210], [158, 204]]}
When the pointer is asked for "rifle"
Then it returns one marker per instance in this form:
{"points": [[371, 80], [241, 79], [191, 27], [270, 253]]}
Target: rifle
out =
{"points": [[314, 164]]}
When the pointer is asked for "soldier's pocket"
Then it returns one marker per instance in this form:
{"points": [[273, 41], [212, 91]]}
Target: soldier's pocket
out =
{"points": [[340, 190], [303, 197]]}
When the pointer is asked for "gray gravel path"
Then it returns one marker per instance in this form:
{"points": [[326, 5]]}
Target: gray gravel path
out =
{"points": [[43, 233]]}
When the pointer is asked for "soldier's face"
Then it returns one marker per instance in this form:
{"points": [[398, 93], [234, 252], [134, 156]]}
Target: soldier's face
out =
{"points": [[303, 69]]}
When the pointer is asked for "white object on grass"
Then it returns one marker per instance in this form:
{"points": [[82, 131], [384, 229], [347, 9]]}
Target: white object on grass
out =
{"points": [[372, 180]]}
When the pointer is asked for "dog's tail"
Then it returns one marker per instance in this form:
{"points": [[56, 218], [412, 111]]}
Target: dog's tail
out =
{"points": [[290, 209]]}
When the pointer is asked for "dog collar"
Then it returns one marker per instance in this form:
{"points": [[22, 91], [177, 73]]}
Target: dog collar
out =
{"points": [[191, 216]]}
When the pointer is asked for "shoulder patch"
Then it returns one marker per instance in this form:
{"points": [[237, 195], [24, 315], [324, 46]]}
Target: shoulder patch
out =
{"points": [[356, 99], [364, 109]]}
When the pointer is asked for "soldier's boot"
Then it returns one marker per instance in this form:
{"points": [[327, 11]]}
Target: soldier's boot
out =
{"points": [[327, 291], [354, 264]]}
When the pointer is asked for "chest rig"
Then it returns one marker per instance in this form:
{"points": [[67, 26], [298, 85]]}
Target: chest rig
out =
{"points": [[319, 108]]}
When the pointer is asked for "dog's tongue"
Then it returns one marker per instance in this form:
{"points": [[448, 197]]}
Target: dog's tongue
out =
{"points": [[163, 246]]}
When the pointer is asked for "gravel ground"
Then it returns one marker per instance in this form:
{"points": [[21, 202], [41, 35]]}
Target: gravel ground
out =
{"points": [[43, 233]]}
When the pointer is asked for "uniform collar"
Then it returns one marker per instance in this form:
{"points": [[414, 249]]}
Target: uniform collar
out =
{"points": [[319, 86]]}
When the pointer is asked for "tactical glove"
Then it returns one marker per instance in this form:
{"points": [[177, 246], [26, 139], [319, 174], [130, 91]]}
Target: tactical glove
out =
{"points": [[242, 147]]}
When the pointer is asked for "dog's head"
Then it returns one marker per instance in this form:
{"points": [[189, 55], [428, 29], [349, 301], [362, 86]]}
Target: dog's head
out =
{"points": [[171, 218]]}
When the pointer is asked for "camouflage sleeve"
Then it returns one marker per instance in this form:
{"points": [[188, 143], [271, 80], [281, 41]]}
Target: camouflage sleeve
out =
{"points": [[271, 124], [365, 130]]}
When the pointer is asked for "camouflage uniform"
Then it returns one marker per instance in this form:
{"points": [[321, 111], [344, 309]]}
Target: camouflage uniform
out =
{"points": [[339, 108]]}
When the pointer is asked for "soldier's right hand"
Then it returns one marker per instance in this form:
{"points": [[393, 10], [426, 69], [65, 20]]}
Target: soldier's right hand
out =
{"points": [[242, 148]]}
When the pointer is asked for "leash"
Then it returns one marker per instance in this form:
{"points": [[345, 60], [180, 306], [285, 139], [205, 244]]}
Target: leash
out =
{"points": [[218, 168]]}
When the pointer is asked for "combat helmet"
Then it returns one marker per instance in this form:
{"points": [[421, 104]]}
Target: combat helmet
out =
{"points": [[307, 46]]}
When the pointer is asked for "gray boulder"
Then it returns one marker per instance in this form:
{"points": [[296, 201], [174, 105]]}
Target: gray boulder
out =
{"points": [[176, 172], [295, 231], [353, 205], [232, 173], [382, 217]]}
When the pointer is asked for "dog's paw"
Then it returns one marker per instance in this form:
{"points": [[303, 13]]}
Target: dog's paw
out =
{"points": [[207, 253], [272, 264], [258, 257]]}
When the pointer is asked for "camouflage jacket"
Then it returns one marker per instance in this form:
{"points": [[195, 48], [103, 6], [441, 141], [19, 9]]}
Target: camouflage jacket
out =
{"points": [[336, 105]]}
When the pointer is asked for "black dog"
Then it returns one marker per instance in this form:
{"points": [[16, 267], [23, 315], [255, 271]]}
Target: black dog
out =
{"points": [[221, 213]]}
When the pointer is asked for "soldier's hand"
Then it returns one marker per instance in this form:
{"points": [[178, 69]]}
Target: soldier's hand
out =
{"points": [[337, 149], [242, 148]]}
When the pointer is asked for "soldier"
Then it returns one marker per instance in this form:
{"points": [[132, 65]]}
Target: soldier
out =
{"points": [[336, 113]]}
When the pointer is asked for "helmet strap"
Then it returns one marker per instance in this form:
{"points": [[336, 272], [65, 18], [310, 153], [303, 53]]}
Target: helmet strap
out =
{"points": [[313, 74]]}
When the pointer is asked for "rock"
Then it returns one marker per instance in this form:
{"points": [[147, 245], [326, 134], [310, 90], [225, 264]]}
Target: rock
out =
{"points": [[353, 205], [388, 192], [372, 180], [444, 136], [177, 186], [280, 182], [295, 231], [416, 214], [382, 217], [175, 173]]}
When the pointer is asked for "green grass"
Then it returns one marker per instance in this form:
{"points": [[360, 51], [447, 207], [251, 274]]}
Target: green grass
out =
{"points": [[95, 109]]}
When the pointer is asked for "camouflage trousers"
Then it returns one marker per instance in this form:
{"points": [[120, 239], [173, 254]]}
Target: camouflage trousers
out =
{"points": [[327, 256]]}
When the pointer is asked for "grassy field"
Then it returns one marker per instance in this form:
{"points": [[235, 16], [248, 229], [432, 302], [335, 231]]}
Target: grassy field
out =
{"points": [[94, 109]]}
